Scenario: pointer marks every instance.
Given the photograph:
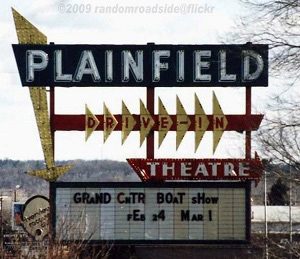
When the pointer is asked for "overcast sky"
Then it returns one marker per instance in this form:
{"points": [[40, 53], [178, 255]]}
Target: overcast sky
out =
{"points": [[71, 22]]}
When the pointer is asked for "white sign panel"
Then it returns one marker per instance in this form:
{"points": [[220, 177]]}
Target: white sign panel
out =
{"points": [[155, 212], [36, 217]]}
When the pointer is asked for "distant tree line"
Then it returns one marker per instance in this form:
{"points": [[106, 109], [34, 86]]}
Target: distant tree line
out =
{"points": [[14, 172]]}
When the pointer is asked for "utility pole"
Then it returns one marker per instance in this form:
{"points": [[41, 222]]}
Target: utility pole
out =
{"points": [[2, 232], [266, 216], [17, 187], [290, 205]]}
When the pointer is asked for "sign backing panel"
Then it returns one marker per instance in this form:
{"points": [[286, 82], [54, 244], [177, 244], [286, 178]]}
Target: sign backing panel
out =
{"points": [[142, 65], [140, 213]]}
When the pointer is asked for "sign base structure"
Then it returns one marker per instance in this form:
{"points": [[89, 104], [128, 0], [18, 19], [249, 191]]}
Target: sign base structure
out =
{"points": [[151, 213]]}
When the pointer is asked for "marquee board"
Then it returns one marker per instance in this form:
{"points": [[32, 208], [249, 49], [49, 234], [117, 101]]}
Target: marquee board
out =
{"points": [[141, 213]]}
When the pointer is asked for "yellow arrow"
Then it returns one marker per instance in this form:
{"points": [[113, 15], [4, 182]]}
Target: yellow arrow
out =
{"points": [[183, 122], [26, 32], [128, 122], [91, 122], [165, 122], [29, 34], [110, 122], [219, 122], [51, 174], [201, 122], [146, 122]]}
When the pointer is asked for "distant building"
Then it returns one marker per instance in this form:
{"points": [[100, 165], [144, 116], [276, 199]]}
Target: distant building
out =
{"points": [[278, 219]]}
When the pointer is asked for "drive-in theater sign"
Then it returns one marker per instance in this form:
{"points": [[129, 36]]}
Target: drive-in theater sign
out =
{"points": [[216, 208]]}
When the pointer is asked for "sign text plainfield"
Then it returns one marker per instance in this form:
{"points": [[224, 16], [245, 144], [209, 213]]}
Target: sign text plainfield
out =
{"points": [[142, 65], [193, 212]]}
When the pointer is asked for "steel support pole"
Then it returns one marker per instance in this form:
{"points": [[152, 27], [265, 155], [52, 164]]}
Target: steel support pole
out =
{"points": [[51, 205], [290, 205], [248, 112], [266, 216], [2, 232], [150, 106]]}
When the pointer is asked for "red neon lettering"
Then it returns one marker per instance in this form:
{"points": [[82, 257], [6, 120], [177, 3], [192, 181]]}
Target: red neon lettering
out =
{"points": [[200, 122], [91, 122], [164, 122], [126, 122], [109, 122], [219, 122], [145, 122]]}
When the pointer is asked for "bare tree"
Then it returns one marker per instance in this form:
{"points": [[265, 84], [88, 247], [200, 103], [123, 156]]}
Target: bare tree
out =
{"points": [[276, 23], [280, 134]]}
